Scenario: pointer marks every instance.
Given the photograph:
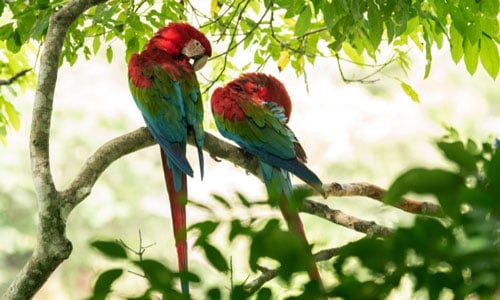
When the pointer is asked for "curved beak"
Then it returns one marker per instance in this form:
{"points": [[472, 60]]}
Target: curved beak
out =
{"points": [[199, 61]]}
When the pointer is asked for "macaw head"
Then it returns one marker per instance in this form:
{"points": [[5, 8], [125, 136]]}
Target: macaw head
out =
{"points": [[182, 39], [268, 89]]}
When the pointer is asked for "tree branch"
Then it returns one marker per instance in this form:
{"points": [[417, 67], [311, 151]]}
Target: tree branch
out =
{"points": [[377, 193], [268, 274], [52, 246], [14, 78], [219, 149], [97, 163], [336, 216], [138, 139]]}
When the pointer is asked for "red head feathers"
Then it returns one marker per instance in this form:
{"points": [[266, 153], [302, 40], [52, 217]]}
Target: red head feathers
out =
{"points": [[263, 87], [182, 39]]}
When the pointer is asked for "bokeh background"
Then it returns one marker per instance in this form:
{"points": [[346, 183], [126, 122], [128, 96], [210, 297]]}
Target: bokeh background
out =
{"points": [[352, 133]]}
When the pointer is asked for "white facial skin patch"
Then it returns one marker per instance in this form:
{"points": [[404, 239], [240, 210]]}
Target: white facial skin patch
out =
{"points": [[195, 50]]}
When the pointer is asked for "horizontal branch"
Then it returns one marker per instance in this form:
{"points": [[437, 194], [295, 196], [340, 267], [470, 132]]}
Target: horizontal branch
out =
{"points": [[370, 228], [133, 141], [374, 192], [219, 149], [97, 163]]}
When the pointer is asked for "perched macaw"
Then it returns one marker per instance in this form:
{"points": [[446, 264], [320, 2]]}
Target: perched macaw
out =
{"points": [[253, 110], [163, 83]]}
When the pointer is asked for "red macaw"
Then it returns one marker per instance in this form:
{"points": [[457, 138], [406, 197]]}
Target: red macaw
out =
{"points": [[163, 83], [253, 110]]}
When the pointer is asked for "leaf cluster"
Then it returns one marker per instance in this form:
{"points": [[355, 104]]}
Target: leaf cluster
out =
{"points": [[457, 255], [286, 33], [268, 242]]}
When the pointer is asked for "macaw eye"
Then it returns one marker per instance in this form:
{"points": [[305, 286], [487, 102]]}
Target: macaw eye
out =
{"points": [[197, 44]]}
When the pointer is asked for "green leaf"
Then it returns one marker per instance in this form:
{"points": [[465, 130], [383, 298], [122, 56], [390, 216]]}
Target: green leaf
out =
{"points": [[375, 25], [493, 169], [159, 276], [215, 257], [489, 26], [96, 44], [40, 28], [471, 56], [428, 53], [264, 294], [423, 181], [456, 44], [457, 153], [14, 42], [473, 32], [206, 228], [410, 92], [244, 200], [214, 7], [12, 115], [353, 54], [489, 56], [328, 14], [239, 229], [109, 54], [222, 201], [283, 246], [283, 60], [3, 133], [214, 294], [112, 249], [6, 31], [43, 4], [303, 22], [102, 286], [489, 8], [240, 292]]}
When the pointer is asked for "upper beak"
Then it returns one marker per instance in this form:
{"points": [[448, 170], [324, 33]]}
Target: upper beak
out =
{"points": [[199, 61]]}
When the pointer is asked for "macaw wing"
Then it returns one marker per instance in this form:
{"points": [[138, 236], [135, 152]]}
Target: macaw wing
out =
{"points": [[162, 108], [265, 135], [193, 106]]}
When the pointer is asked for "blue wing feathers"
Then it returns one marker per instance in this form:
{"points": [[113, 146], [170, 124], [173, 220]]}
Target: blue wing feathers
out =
{"points": [[277, 180], [292, 166], [174, 151], [170, 107]]}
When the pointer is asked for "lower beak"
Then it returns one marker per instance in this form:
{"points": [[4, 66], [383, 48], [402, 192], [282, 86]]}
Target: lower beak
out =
{"points": [[199, 62]]}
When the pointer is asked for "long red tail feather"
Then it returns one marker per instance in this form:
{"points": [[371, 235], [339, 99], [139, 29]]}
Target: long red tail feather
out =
{"points": [[294, 223], [178, 211]]}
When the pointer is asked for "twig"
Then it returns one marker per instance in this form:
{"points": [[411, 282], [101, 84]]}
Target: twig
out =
{"points": [[139, 252], [233, 45], [268, 274], [14, 78], [257, 283]]}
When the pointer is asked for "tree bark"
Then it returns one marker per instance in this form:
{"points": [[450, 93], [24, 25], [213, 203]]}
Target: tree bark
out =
{"points": [[52, 246]]}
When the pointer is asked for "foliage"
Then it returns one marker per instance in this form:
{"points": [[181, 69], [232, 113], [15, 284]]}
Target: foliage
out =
{"points": [[16, 77], [263, 237], [288, 33], [457, 255]]}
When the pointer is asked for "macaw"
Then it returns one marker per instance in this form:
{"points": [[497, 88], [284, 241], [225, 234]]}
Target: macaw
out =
{"points": [[164, 86], [253, 111]]}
